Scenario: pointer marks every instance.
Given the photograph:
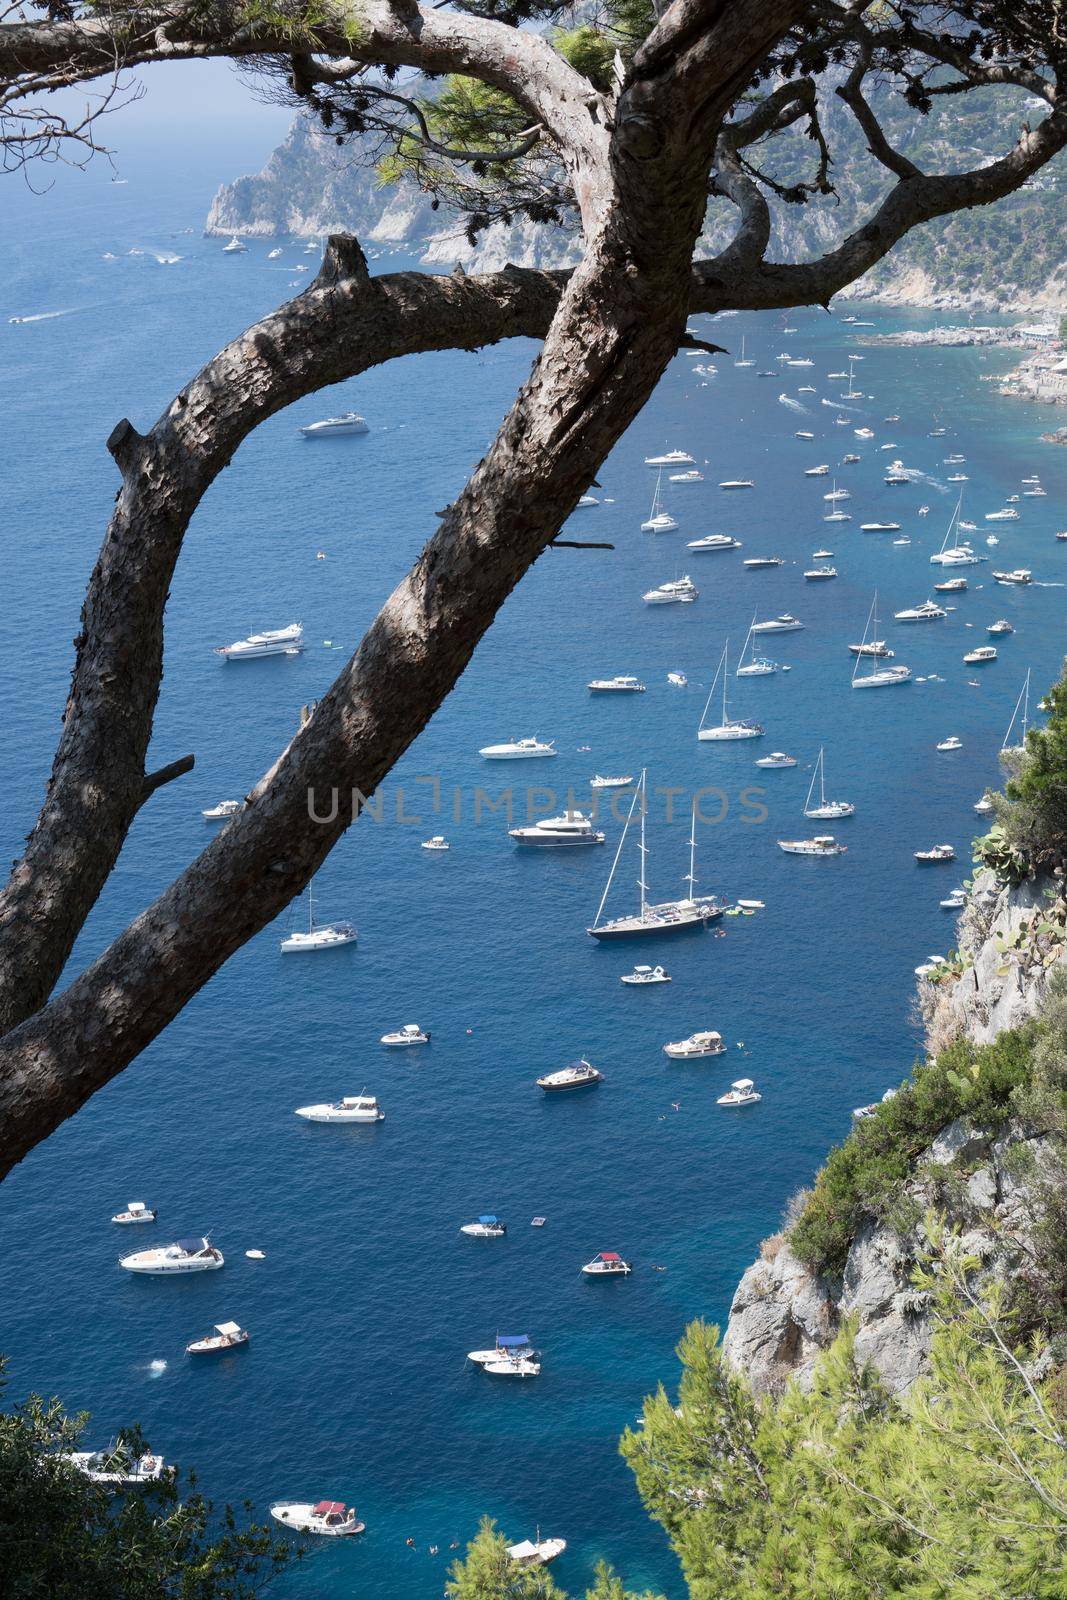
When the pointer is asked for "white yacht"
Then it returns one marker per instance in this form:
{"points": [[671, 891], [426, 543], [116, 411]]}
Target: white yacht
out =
{"points": [[1009, 514], [643, 975], [714, 541], [707, 1043], [563, 832], [951, 743], [227, 1336], [729, 727], [819, 574], [817, 472], [330, 1519], [838, 494], [224, 809], [271, 642], [487, 1226], [577, 1075], [599, 781], [951, 586], [136, 1211], [236, 247], [983, 806], [776, 759], [406, 1036], [351, 1108], [981, 656], [863, 433], [436, 841], [954, 901], [347, 422], [876, 647], [929, 611], [826, 810], [324, 936], [803, 435], [823, 844], [679, 679], [878, 677], [838, 516], [588, 500], [822, 555], [658, 521], [272, 255], [999, 627], [673, 458], [937, 852], [783, 624], [692, 476], [185, 1255], [115, 1469], [737, 483], [756, 563], [755, 666], [741, 1092], [512, 1356], [518, 750], [879, 527], [608, 1264], [1020, 576], [617, 685], [680, 591]]}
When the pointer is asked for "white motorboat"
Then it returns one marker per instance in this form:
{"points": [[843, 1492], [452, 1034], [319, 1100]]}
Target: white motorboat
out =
{"points": [[1001, 626], [776, 759], [588, 500], [236, 247], [878, 677], [737, 483], [821, 555], [803, 434], [601, 782], [992, 539], [951, 586], [755, 666], [487, 1226], [506, 1347], [608, 1264], [539, 1552], [518, 750], [821, 471], [136, 1211], [658, 520], [406, 1036], [783, 624], [347, 422], [185, 1255], [929, 611], [951, 743], [330, 1519], [714, 541], [271, 642], [983, 806], [863, 433], [954, 901], [981, 656], [319, 936], [225, 808], [578, 1075], [558, 832], [1009, 514], [850, 460], [879, 527], [351, 1108], [741, 1092], [227, 1336], [513, 1367], [824, 844], [436, 842], [621, 684], [673, 458], [877, 647], [838, 516], [114, 1468], [272, 255], [1018, 576], [730, 727], [819, 574], [680, 591], [938, 852], [958, 477], [692, 476], [705, 1043], [643, 975], [668, 916], [679, 679], [826, 810], [1035, 493], [756, 563]]}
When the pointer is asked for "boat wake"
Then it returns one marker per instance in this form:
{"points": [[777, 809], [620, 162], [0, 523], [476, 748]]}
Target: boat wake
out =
{"points": [[166, 258], [794, 405], [41, 316], [839, 407], [157, 1368]]}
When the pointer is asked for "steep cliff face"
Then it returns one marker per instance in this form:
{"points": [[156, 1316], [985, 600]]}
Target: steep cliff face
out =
{"points": [[783, 1316]]}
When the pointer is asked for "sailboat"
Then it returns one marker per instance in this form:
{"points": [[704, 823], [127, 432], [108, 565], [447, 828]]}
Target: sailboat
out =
{"points": [[742, 362], [729, 727], [758, 666], [1007, 748], [826, 810], [959, 555], [670, 917], [659, 521], [878, 677], [852, 393], [326, 937]]}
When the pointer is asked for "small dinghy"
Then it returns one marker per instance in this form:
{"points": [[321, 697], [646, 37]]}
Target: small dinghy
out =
{"points": [[330, 1518], [227, 1336], [136, 1211]]}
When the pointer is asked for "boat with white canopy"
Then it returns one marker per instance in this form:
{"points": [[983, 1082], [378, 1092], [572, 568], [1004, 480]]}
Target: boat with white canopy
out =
{"points": [[227, 1336], [351, 1108], [742, 1092], [330, 1519], [136, 1211]]}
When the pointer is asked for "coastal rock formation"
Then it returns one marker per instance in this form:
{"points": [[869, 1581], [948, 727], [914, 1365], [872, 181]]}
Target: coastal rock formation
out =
{"points": [[783, 1316]]}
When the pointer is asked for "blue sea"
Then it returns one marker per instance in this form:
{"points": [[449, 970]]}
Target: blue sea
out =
{"points": [[355, 1383]]}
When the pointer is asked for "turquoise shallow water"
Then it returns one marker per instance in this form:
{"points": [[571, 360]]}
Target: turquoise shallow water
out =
{"points": [[355, 1383]]}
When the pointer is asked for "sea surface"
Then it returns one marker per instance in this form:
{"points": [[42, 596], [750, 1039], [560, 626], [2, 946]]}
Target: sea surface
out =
{"points": [[355, 1383]]}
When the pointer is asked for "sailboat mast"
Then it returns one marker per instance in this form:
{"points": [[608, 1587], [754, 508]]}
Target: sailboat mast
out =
{"points": [[641, 880], [1026, 704], [311, 909], [691, 876], [711, 691], [870, 616], [725, 671], [618, 853]]}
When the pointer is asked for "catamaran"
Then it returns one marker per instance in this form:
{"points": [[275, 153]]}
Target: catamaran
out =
{"points": [[729, 727], [826, 810], [670, 916], [879, 677]]}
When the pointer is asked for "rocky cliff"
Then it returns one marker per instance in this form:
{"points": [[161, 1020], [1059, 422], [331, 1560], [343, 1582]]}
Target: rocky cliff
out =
{"points": [[783, 1315]]}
